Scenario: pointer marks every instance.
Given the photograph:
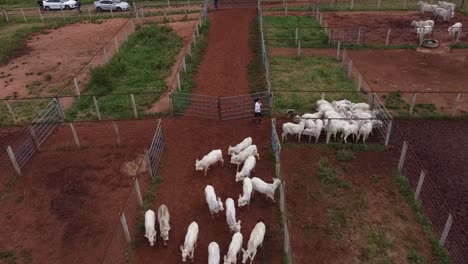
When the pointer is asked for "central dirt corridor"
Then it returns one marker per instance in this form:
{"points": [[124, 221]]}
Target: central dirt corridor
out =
{"points": [[223, 70]]}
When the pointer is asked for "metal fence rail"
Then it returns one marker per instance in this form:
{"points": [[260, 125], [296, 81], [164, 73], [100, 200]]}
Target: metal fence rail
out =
{"points": [[241, 106], [195, 105], [49, 118], [155, 150]]}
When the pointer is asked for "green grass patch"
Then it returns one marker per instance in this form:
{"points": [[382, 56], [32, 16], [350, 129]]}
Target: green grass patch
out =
{"points": [[439, 251], [8, 257], [400, 108], [337, 222], [330, 175], [142, 65], [280, 31], [357, 147], [377, 247], [416, 257], [297, 83], [344, 155]]}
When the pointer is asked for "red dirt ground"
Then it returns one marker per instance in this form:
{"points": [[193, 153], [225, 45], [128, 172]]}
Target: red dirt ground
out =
{"points": [[65, 206], [223, 71], [372, 204], [181, 189], [443, 158]]}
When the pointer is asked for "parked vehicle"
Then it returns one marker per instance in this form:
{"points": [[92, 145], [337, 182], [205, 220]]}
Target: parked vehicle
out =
{"points": [[58, 4], [107, 5]]}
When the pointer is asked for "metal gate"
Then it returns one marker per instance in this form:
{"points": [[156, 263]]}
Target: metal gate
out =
{"points": [[242, 106], [47, 120], [222, 108]]}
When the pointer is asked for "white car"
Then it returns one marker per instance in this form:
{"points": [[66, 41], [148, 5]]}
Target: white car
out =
{"points": [[58, 4], [107, 5]]}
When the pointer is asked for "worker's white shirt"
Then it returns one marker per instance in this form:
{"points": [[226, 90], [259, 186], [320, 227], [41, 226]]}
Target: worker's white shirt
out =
{"points": [[257, 107]]}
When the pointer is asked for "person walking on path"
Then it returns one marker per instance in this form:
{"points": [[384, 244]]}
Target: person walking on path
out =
{"points": [[216, 4], [257, 111], [78, 6]]}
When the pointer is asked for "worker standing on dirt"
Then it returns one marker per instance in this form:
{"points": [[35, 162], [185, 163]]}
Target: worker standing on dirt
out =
{"points": [[78, 6], [257, 111], [216, 4]]}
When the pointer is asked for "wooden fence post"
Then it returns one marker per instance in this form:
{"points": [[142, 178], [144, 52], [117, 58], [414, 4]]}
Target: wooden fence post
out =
{"points": [[299, 48], [116, 44], [133, 25], [105, 55], [5, 13], [455, 105], [286, 9], [359, 83], [40, 14], [77, 88], [184, 64], [413, 103], [13, 160], [389, 131], [358, 36], [352, 4], [321, 19], [75, 136], [402, 156], [420, 184], [330, 37], [89, 13], [112, 12], [24, 17], [296, 35], [117, 133], [322, 96], [387, 40], [404, 4], [10, 110], [338, 50], [189, 50], [96, 106], [59, 109], [138, 192], [123, 221], [344, 57], [179, 86], [135, 112], [61, 11], [447, 227]]}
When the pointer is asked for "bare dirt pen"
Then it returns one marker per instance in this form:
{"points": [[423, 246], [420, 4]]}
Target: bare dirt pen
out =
{"points": [[53, 56], [359, 217], [182, 189], [441, 147], [377, 24], [66, 206]]}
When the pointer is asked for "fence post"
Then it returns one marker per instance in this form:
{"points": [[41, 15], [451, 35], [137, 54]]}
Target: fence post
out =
{"points": [[190, 50], [404, 4], [105, 55], [321, 18], [135, 112], [178, 81], [194, 39], [184, 65], [5, 13], [389, 131], [112, 12], [89, 13], [286, 9], [150, 167], [444, 235], [330, 37], [123, 221], [34, 138], [133, 25], [322, 95], [387, 40], [352, 4], [58, 108], [96, 106], [455, 105], [13, 160], [75, 136], [359, 83], [420, 183], [413, 102], [338, 51], [117, 133], [136, 11], [197, 28], [402, 156], [138, 192], [77, 88], [40, 14], [350, 68], [61, 11], [372, 100], [116, 44], [10, 109], [24, 17], [358, 36]]}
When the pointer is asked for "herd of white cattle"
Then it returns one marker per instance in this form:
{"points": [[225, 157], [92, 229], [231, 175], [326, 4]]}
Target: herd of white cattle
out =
{"points": [[345, 117], [443, 9], [243, 153]]}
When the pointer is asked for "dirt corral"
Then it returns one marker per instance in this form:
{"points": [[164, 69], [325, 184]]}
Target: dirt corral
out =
{"points": [[66, 206], [376, 25], [358, 218], [182, 190], [441, 147]]}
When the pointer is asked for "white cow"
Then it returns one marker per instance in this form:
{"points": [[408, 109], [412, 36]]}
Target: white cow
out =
{"points": [[249, 165], [231, 216], [208, 160], [213, 253], [247, 188], [256, 239], [164, 227], [150, 231], [215, 205], [244, 154], [239, 147], [266, 188], [234, 249], [190, 243]]}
